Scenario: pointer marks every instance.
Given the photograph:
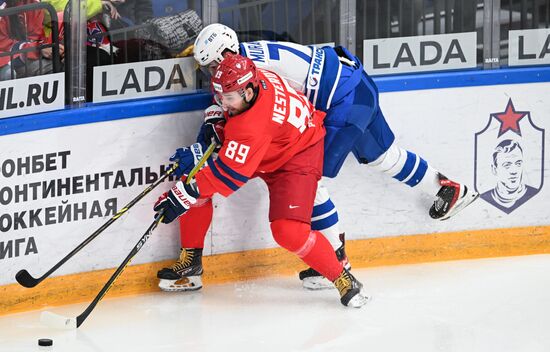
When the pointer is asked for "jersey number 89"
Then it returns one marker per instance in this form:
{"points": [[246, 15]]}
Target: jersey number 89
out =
{"points": [[237, 152]]}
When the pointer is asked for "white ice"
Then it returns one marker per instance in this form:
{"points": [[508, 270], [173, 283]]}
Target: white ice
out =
{"points": [[484, 305]]}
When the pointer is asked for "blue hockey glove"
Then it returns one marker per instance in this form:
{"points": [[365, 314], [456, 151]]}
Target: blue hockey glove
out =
{"points": [[187, 158], [214, 133], [177, 201]]}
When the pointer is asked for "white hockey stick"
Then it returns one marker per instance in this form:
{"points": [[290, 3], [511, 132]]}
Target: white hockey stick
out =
{"points": [[57, 321], [61, 322]]}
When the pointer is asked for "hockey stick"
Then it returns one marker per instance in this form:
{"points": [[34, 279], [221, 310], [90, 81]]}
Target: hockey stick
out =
{"points": [[24, 278], [60, 322]]}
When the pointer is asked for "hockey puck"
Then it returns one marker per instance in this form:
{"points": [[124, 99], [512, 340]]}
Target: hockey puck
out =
{"points": [[45, 342]]}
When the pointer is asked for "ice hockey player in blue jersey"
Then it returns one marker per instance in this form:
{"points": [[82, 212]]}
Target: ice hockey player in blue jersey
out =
{"points": [[335, 82]]}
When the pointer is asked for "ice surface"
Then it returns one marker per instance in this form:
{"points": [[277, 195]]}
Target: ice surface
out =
{"points": [[484, 305]]}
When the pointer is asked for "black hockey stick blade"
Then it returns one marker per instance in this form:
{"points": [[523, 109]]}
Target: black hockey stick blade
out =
{"points": [[25, 279]]}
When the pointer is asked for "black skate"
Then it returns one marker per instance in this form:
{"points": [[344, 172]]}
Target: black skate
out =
{"points": [[451, 198], [312, 280], [185, 274], [350, 290]]}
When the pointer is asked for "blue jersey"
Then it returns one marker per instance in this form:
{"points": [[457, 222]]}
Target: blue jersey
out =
{"points": [[335, 82], [325, 76], [300, 65]]}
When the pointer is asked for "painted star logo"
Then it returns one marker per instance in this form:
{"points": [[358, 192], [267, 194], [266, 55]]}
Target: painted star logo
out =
{"points": [[509, 119]]}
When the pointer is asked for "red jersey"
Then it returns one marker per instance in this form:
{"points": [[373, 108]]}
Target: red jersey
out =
{"points": [[31, 22], [280, 124]]}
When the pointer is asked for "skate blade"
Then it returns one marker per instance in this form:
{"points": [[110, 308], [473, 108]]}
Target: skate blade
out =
{"points": [[461, 204], [191, 283], [359, 300], [316, 283]]}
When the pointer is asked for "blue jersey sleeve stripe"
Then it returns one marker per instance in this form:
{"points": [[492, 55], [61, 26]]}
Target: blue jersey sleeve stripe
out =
{"points": [[407, 168], [222, 178], [419, 174], [237, 176], [321, 209]]}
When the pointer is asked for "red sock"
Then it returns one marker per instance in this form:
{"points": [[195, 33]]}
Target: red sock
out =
{"points": [[194, 225], [311, 246]]}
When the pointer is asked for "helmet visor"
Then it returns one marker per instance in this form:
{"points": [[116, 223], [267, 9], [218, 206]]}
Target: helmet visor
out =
{"points": [[229, 98]]}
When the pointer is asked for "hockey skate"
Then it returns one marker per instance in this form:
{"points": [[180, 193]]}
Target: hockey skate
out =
{"points": [[451, 198], [185, 274], [312, 280], [350, 290]]}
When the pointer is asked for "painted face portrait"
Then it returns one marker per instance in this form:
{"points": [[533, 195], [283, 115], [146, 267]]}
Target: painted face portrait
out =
{"points": [[508, 166]]}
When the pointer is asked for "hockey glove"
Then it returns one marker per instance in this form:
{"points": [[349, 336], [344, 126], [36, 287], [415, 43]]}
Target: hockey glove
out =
{"points": [[213, 128], [213, 114], [214, 133], [177, 201], [187, 158]]}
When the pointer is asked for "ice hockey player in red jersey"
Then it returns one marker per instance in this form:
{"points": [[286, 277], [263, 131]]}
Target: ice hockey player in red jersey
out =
{"points": [[274, 133]]}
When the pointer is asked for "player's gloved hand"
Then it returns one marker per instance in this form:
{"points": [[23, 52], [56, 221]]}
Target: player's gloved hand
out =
{"points": [[213, 128], [187, 158], [177, 201], [213, 114], [214, 133]]}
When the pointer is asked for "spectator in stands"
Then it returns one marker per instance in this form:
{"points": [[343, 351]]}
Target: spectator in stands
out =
{"points": [[5, 72], [406, 19], [128, 13], [23, 31], [119, 14], [99, 50], [93, 8]]}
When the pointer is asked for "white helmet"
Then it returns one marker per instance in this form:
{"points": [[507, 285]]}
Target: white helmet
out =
{"points": [[212, 41]]}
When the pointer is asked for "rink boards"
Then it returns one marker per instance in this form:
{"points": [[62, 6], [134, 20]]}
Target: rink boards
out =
{"points": [[60, 184]]}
